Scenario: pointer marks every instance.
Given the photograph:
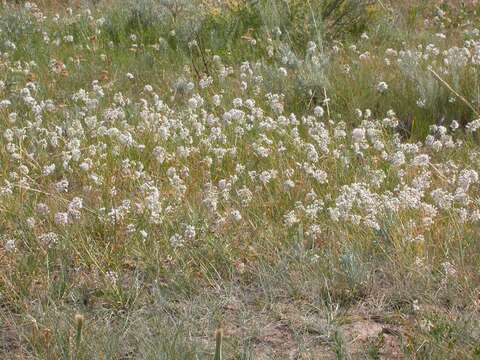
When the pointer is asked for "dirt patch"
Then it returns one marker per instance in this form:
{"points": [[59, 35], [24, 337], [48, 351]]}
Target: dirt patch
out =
{"points": [[9, 342], [362, 333]]}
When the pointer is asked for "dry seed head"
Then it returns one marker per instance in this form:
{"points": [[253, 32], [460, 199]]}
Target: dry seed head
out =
{"points": [[79, 320]]}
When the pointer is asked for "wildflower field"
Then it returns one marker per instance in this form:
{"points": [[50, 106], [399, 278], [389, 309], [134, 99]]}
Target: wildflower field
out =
{"points": [[242, 179]]}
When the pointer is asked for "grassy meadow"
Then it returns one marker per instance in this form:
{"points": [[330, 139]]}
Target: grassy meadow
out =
{"points": [[239, 179]]}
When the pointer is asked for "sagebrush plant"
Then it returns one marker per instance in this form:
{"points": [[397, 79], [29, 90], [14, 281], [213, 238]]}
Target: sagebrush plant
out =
{"points": [[304, 173]]}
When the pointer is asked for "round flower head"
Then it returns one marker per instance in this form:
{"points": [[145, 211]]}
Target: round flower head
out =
{"points": [[382, 87]]}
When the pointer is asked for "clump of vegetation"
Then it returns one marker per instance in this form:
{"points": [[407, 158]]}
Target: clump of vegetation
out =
{"points": [[303, 173]]}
